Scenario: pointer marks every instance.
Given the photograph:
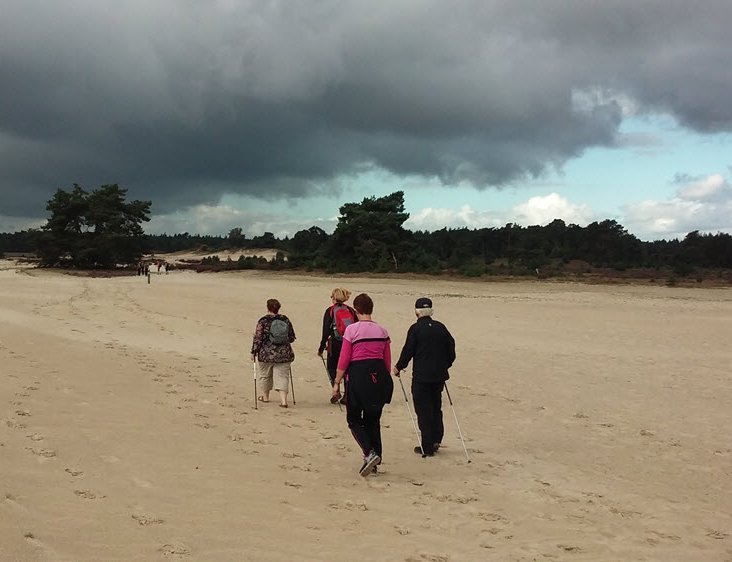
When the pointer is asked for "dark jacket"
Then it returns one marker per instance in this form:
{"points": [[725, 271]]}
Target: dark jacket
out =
{"points": [[432, 347], [327, 331]]}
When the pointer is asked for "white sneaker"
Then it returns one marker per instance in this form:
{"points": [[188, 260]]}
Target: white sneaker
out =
{"points": [[369, 463]]}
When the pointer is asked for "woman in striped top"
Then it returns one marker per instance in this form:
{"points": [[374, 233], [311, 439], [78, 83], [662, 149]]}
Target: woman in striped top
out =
{"points": [[365, 363]]}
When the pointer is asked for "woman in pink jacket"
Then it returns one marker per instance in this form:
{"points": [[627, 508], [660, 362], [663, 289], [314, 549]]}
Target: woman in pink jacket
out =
{"points": [[365, 364]]}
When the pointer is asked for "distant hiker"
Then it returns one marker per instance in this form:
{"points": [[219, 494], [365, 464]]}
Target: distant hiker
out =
{"points": [[432, 347], [336, 319], [365, 362], [272, 350]]}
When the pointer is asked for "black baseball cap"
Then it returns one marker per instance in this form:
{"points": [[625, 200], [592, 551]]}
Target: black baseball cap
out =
{"points": [[423, 302]]}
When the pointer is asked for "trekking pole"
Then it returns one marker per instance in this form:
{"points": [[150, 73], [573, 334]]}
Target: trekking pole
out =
{"points": [[331, 384], [414, 424], [292, 384], [456, 422], [254, 368]]}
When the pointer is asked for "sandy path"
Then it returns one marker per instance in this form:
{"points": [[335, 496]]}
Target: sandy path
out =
{"points": [[598, 420]]}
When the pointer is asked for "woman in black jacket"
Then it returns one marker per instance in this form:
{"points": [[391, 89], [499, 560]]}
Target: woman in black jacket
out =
{"points": [[335, 320]]}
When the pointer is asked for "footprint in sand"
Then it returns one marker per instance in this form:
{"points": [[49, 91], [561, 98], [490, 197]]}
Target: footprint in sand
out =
{"points": [[89, 495], [46, 453], [178, 549], [456, 499], [35, 437], [297, 467], [348, 506], [31, 538], [494, 517], [146, 520], [74, 472]]}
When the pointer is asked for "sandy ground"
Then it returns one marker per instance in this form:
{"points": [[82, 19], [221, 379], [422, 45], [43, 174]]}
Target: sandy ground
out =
{"points": [[232, 254], [598, 421]]}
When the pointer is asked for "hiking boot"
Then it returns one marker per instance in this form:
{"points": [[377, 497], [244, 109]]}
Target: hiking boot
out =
{"points": [[418, 450], [369, 462]]}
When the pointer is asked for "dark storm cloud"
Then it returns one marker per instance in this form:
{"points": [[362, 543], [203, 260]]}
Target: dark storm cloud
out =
{"points": [[182, 101]]}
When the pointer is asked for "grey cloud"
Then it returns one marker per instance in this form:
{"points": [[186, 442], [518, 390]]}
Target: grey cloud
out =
{"points": [[183, 101]]}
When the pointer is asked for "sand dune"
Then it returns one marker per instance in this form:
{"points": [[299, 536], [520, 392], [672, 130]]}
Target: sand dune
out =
{"points": [[229, 254], [598, 420]]}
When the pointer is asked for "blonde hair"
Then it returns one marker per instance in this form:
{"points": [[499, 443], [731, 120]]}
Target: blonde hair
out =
{"points": [[340, 294]]}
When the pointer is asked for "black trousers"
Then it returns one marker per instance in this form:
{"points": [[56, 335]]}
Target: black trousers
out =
{"points": [[365, 426], [367, 387], [334, 352], [427, 398]]}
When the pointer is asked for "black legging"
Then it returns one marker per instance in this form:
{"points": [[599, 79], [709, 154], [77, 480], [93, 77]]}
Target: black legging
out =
{"points": [[334, 352]]}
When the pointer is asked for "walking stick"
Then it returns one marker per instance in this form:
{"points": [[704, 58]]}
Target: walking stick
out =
{"points": [[254, 368], [292, 384], [456, 422], [414, 424]]}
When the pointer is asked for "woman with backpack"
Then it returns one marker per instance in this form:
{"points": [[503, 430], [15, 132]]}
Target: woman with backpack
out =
{"points": [[273, 353], [336, 318]]}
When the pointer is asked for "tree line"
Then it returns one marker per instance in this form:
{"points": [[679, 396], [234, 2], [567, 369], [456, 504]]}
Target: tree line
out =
{"points": [[101, 229]]}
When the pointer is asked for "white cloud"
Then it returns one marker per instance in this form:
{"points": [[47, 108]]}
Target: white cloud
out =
{"points": [[431, 219], [543, 210], [537, 210], [704, 205], [706, 188], [220, 219]]}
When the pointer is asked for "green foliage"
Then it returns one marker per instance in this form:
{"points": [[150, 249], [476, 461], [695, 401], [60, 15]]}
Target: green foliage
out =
{"points": [[236, 238], [472, 269], [92, 230], [99, 229], [369, 235]]}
